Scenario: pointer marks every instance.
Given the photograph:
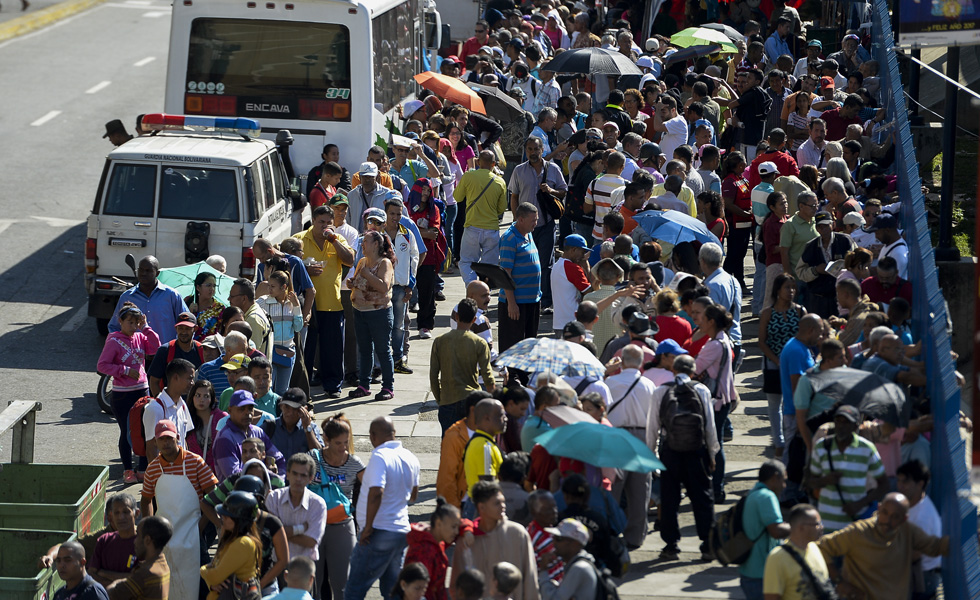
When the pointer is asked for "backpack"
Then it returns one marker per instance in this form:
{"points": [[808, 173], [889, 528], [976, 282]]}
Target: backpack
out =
{"points": [[605, 588], [136, 424], [586, 382], [727, 541], [173, 351], [514, 136], [682, 418]]}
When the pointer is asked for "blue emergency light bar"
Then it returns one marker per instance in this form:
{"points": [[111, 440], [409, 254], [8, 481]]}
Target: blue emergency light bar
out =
{"points": [[239, 125]]}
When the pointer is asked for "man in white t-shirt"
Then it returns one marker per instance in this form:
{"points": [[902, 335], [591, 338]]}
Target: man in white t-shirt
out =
{"points": [[672, 125], [885, 228], [569, 281], [854, 226], [479, 292], [170, 405], [390, 484], [913, 477]]}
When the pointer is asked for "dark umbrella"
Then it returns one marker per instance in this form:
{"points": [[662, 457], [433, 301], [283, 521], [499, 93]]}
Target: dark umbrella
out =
{"points": [[690, 53], [731, 32], [498, 103], [592, 60], [872, 394]]}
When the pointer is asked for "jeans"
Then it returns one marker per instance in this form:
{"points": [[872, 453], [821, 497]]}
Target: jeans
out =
{"points": [[689, 469], [425, 282], [350, 338], [583, 229], [751, 587], [738, 247], [381, 559], [457, 232], [398, 310], [775, 420], [122, 403], [450, 414], [758, 287], [448, 221], [330, 338], [544, 239], [477, 245], [280, 377], [373, 329], [719, 475]]}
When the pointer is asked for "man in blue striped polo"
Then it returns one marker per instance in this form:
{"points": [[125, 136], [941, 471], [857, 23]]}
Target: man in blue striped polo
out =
{"points": [[519, 310]]}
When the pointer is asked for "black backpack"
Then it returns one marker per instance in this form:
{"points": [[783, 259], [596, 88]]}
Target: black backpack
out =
{"points": [[605, 588], [727, 541], [682, 417]]}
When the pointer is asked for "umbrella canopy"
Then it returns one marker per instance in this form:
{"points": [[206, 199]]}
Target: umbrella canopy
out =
{"points": [[559, 415], [873, 395], [182, 279], [731, 32], [565, 359], [700, 36], [690, 53], [674, 227], [452, 89], [601, 446], [592, 60], [498, 103]]}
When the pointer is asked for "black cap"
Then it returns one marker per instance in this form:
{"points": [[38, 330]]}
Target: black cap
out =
{"points": [[572, 329], [640, 324], [823, 218], [294, 397], [114, 126]]}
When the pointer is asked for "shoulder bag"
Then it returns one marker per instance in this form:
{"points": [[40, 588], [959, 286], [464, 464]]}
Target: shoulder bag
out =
{"points": [[549, 203]]}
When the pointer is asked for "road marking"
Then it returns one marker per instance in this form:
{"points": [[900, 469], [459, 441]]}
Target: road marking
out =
{"points": [[46, 118], [139, 2], [156, 14], [58, 222], [145, 61], [5, 223], [98, 87], [76, 320]]}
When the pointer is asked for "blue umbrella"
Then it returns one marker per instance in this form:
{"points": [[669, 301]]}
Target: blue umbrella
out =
{"points": [[674, 227], [601, 446], [565, 359]]}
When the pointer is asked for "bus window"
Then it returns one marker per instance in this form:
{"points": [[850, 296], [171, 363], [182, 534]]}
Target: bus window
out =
{"points": [[280, 69], [395, 61]]}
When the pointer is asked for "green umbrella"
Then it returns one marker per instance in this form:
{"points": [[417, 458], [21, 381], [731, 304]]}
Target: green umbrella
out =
{"points": [[601, 446], [701, 36], [182, 279]]}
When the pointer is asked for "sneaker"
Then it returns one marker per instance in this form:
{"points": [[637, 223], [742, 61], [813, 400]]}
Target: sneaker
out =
{"points": [[728, 436], [414, 308], [402, 368], [440, 296], [424, 334], [331, 395], [706, 555], [670, 552], [548, 311], [360, 392], [384, 394], [129, 476]]}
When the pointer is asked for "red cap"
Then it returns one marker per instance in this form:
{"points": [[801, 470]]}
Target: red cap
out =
{"points": [[827, 82], [165, 428], [455, 59]]}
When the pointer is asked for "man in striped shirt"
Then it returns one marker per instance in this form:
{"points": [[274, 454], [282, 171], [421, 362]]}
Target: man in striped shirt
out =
{"points": [[598, 195], [519, 309], [174, 460], [544, 514], [839, 468]]}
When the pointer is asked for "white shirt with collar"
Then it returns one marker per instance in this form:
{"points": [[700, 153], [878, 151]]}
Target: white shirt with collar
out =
{"points": [[175, 411], [926, 517], [654, 425], [396, 471], [630, 407], [898, 250]]}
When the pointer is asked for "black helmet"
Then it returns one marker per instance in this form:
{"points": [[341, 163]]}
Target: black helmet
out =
{"points": [[239, 506], [251, 484]]}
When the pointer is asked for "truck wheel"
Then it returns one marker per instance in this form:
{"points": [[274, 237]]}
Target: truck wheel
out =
{"points": [[103, 326]]}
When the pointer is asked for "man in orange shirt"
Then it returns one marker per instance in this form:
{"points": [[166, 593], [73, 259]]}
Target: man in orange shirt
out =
{"points": [[451, 478], [635, 196]]}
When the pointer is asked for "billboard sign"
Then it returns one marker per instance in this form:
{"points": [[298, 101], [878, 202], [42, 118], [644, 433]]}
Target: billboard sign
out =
{"points": [[939, 23]]}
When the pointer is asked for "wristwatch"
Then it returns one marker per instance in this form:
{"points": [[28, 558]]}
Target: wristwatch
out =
{"points": [[310, 427]]}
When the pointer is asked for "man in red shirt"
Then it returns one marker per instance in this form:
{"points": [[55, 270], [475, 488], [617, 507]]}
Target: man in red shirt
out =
{"points": [[569, 280], [324, 190], [886, 284], [482, 38], [776, 154], [838, 119]]}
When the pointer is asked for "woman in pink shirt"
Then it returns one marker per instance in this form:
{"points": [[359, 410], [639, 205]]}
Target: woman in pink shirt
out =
{"points": [[123, 358], [714, 367]]}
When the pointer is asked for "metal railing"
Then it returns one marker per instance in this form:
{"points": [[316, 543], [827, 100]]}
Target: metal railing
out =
{"points": [[21, 417]]}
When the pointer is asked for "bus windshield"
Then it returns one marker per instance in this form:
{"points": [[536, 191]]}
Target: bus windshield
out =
{"points": [[256, 68]]}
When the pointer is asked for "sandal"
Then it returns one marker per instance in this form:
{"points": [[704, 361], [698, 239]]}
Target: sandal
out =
{"points": [[384, 394], [359, 392]]}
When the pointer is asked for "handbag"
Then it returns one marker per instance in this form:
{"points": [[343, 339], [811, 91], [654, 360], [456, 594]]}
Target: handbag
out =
{"points": [[549, 203], [338, 504], [282, 360], [241, 590]]}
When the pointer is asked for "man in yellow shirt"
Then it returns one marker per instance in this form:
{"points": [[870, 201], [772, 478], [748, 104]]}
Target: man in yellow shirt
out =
{"points": [[483, 197], [784, 577], [329, 253], [482, 457]]}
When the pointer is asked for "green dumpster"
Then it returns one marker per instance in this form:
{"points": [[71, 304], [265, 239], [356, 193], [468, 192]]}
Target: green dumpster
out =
{"points": [[53, 497], [20, 576]]}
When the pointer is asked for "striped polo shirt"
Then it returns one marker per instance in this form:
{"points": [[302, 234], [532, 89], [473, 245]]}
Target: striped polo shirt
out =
{"points": [[196, 470], [519, 254], [855, 462], [599, 193]]}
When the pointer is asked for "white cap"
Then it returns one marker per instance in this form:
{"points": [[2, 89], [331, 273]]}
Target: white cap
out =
{"points": [[854, 218], [572, 529], [652, 45], [645, 62], [767, 168], [368, 168]]}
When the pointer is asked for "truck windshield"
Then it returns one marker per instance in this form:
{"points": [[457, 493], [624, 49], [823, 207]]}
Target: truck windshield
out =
{"points": [[194, 194]]}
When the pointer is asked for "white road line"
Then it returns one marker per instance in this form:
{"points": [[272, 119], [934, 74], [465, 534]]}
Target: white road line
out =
{"points": [[156, 14], [46, 118], [76, 320], [145, 61], [98, 87], [5, 223], [139, 2]]}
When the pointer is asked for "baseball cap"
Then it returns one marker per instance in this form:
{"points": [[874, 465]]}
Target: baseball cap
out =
{"points": [[669, 346], [576, 241], [216, 341], [455, 59], [593, 132], [649, 150], [851, 413], [883, 221], [376, 214], [572, 329], [187, 318], [486, 49], [241, 398], [368, 168], [338, 199], [704, 123], [851, 36], [816, 43], [768, 168], [294, 397], [400, 141], [652, 45], [572, 529], [409, 108], [608, 124], [827, 82], [536, 15], [165, 428], [412, 136], [239, 361], [823, 218], [640, 324], [854, 218], [645, 62], [517, 43]]}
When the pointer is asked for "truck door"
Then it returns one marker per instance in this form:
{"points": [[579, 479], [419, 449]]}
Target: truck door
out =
{"points": [[126, 219]]}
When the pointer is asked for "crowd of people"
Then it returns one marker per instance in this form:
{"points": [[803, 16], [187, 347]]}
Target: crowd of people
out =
{"points": [[777, 149]]}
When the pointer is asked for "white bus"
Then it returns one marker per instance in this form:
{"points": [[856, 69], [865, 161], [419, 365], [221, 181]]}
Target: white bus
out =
{"points": [[329, 71]]}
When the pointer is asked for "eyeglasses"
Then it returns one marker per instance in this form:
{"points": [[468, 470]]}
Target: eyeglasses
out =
{"points": [[808, 205]]}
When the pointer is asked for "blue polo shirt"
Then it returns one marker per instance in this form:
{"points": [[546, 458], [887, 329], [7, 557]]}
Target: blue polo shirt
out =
{"points": [[795, 359], [298, 276], [412, 170], [761, 510], [213, 372], [161, 307], [519, 254]]}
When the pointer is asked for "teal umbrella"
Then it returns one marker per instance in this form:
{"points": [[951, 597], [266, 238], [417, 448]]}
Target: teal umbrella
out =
{"points": [[182, 279], [601, 446]]}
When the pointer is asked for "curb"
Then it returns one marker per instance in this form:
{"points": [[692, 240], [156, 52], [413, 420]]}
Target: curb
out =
{"points": [[44, 17]]}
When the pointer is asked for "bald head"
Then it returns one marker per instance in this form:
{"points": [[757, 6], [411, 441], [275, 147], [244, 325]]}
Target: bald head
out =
{"points": [[382, 430], [490, 416], [150, 261], [75, 549], [897, 500], [486, 160]]}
